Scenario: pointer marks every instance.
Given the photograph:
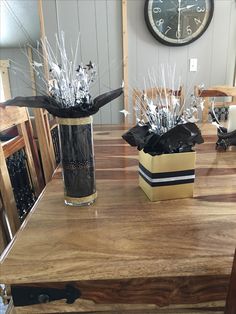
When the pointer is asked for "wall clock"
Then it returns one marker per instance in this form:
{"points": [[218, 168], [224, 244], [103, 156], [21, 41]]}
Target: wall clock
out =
{"points": [[178, 22]]}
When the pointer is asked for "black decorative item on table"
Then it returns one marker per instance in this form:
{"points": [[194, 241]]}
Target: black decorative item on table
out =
{"points": [[225, 138], [179, 139], [164, 125], [70, 101], [165, 136], [76, 142], [166, 161], [76, 136]]}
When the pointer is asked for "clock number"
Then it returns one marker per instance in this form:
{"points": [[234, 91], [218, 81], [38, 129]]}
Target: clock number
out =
{"points": [[178, 34], [167, 29], [189, 31], [201, 9], [156, 10], [197, 21], [159, 22]]}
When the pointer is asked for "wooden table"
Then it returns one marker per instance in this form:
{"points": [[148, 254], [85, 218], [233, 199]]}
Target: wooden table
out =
{"points": [[124, 252]]}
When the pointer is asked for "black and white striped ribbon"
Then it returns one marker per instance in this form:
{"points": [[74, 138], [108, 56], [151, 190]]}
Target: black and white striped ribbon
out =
{"points": [[167, 178]]}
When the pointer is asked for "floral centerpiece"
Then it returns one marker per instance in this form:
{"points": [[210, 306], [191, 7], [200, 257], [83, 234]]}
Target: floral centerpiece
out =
{"points": [[69, 99]]}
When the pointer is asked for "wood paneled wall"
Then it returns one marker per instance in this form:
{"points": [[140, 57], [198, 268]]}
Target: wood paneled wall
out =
{"points": [[97, 24], [19, 71], [215, 49]]}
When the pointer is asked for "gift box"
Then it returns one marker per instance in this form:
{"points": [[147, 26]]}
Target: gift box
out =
{"points": [[167, 176]]}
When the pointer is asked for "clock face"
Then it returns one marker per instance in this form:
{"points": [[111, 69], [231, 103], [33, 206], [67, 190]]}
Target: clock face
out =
{"points": [[178, 22]]}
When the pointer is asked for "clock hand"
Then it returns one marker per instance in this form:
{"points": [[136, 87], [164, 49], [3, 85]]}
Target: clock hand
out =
{"points": [[190, 6], [187, 7]]}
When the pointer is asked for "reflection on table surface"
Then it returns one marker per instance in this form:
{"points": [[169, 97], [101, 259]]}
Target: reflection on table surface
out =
{"points": [[124, 236]]}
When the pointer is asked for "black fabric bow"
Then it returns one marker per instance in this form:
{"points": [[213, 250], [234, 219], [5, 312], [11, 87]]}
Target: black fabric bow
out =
{"points": [[52, 106], [179, 139]]}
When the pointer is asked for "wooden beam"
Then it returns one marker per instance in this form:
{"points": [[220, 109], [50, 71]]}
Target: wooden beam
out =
{"points": [[41, 120], [32, 77], [125, 58], [4, 63], [5, 79], [43, 34]]}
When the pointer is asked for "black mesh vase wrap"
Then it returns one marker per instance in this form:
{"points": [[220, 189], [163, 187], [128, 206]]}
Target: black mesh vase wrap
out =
{"points": [[77, 152]]}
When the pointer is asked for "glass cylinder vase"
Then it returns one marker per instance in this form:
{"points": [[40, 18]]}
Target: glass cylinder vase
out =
{"points": [[77, 157]]}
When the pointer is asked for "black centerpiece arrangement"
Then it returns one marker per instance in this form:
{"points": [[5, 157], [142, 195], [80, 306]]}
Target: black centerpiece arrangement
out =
{"points": [[179, 139], [69, 99], [165, 135]]}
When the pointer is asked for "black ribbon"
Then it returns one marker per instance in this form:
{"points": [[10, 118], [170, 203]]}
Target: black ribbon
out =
{"points": [[55, 108], [179, 139]]}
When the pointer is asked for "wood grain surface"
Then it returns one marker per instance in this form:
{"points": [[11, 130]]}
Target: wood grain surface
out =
{"points": [[12, 116], [13, 145], [125, 252], [218, 91]]}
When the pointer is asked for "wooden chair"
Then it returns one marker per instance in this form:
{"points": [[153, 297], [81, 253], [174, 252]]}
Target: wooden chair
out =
{"points": [[42, 133], [156, 93], [215, 92], [21, 144], [230, 307]]}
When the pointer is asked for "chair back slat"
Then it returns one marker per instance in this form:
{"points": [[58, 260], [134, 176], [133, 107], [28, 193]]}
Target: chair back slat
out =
{"points": [[215, 92], [11, 116], [18, 186], [44, 137], [7, 194], [23, 132], [13, 145]]}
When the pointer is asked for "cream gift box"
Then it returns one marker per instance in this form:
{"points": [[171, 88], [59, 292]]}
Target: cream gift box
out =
{"points": [[167, 176]]}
